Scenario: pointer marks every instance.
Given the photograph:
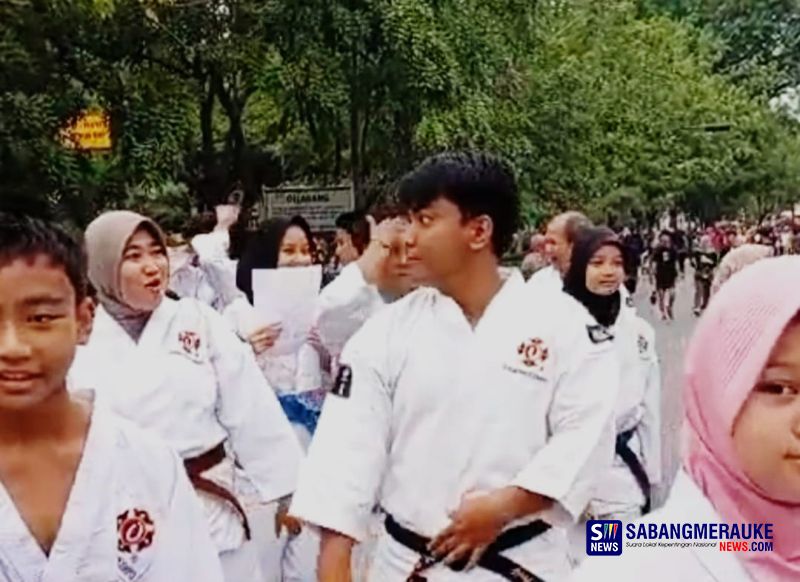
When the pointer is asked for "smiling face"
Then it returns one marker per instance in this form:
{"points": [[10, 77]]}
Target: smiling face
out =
{"points": [[766, 433], [144, 272], [40, 326], [605, 272], [295, 249]]}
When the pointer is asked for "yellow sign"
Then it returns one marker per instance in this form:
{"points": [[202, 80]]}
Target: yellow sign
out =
{"points": [[91, 131]]}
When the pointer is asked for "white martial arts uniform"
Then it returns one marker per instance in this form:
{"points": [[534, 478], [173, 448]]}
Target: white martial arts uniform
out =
{"points": [[342, 309], [131, 516], [430, 409], [196, 384], [187, 279], [204, 271], [686, 504], [547, 279], [616, 494], [344, 306]]}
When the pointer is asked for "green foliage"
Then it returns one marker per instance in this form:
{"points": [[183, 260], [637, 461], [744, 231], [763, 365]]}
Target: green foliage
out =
{"points": [[599, 105], [610, 118]]}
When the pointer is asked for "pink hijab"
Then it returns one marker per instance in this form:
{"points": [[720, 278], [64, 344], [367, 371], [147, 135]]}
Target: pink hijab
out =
{"points": [[727, 352]]}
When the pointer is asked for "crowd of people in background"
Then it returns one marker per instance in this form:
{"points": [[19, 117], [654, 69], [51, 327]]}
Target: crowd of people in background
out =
{"points": [[445, 417], [664, 256]]}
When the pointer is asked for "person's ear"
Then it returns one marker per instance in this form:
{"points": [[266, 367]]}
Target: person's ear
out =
{"points": [[85, 315], [481, 229]]}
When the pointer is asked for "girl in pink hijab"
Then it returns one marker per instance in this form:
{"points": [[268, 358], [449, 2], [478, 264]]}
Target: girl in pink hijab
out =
{"points": [[742, 460]]}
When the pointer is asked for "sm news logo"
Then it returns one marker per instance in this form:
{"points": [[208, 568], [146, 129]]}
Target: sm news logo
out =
{"points": [[604, 537]]}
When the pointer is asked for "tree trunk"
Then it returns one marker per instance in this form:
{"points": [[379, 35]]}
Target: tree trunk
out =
{"points": [[207, 121], [355, 150], [356, 162], [337, 156], [233, 110]]}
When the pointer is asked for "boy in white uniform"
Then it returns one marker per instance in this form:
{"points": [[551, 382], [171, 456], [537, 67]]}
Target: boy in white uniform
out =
{"points": [[84, 495], [476, 420]]}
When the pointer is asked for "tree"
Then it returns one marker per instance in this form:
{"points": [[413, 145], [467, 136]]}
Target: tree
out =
{"points": [[758, 41], [611, 106]]}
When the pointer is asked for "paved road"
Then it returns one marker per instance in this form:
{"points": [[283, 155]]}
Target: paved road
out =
{"points": [[671, 340]]}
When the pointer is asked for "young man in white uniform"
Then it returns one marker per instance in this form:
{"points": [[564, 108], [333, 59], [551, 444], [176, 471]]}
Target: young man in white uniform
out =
{"points": [[382, 274], [476, 420], [84, 495]]}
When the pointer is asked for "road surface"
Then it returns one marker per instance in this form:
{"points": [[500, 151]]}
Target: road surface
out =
{"points": [[671, 340]]}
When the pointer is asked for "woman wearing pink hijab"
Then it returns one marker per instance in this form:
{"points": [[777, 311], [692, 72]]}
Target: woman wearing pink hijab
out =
{"points": [[742, 461]]}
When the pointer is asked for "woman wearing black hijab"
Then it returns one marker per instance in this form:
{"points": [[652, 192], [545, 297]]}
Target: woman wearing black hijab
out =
{"points": [[596, 273], [280, 242], [297, 378], [594, 278]]}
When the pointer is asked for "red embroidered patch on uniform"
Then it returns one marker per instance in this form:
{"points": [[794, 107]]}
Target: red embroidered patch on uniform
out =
{"points": [[135, 530], [534, 353], [190, 342]]}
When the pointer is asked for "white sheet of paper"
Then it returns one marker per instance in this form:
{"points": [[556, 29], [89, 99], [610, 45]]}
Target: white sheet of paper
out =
{"points": [[287, 296]]}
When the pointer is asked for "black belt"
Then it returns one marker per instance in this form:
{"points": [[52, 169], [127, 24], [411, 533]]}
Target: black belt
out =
{"points": [[630, 459], [491, 560], [196, 466]]}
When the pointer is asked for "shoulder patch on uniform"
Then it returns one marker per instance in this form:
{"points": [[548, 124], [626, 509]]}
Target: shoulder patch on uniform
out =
{"points": [[344, 380], [629, 301], [599, 334], [643, 344]]}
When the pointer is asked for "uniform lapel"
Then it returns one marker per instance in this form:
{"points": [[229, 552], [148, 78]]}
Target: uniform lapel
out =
{"points": [[87, 509], [695, 508], [155, 332], [21, 558]]}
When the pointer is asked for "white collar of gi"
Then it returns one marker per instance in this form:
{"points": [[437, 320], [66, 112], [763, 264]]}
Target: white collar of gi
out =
{"points": [[154, 330], [513, 283], [688, 504]]}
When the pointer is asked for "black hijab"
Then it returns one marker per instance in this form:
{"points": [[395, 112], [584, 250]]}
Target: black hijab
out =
{"points": [[263, 247], [604, 308]]}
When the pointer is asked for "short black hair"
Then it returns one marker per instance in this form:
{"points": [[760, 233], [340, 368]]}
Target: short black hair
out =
{"points": [[263, 249], [356, 225], [387, 211], [478, 183], [22, 236]]}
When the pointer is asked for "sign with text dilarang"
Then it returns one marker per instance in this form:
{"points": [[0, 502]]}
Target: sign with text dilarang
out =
{"points": [[318, 205]]}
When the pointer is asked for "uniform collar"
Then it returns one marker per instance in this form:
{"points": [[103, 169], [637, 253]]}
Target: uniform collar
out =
{"points": [[688, 504], [153, 330], [512, 287]]}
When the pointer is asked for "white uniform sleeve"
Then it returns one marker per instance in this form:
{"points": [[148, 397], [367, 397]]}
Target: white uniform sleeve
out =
{"points": [[341, 477], [190, 553], [260, 436], [580, 422], [343, 307], [650, 427], [211, 245], [220, 273], [241, 317]]}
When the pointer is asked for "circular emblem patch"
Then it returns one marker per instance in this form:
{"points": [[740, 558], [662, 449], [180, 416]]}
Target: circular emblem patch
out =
{"points": [[534, 353], [135, 530]]}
